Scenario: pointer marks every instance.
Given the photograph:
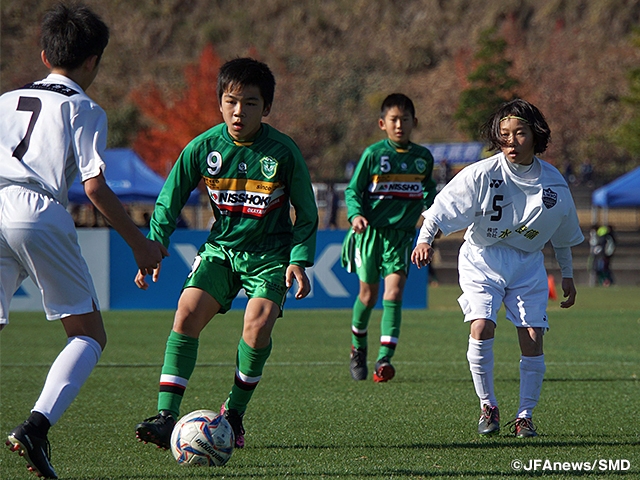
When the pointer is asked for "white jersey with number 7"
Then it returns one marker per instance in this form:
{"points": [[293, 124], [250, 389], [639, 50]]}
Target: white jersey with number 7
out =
{"points": [[51, 116]]}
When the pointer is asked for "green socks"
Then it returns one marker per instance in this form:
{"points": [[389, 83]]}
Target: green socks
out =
{"points": [[359, 324], [389, 327], [179, 361], [249, 365]]}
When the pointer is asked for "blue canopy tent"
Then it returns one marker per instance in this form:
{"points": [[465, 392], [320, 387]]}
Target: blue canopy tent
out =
{"points": [[623, 192], [130, 179]]}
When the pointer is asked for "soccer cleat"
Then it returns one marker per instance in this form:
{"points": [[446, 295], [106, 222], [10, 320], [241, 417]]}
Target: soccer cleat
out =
{"points": [[36, 450], [157, 429], [358, 365], [384, 370], [235, 420], [489, 423], [523, 428]]}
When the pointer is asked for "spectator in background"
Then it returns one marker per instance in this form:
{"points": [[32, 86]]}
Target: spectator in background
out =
{"points": [[603, 246], [586, 173], [331, 210]]}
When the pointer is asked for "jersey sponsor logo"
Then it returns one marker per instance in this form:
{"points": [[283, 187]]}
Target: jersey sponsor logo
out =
{"points": [[421, 164], [549, 198], [214, 163], [396, 186], [243, 197], [268, 166], [495, 183], [52, 87]]}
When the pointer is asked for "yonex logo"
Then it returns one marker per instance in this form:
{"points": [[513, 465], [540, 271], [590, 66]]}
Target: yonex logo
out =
{"points": [[495, 183]]}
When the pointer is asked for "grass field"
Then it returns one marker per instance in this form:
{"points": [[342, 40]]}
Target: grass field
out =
{"points": [[309, 420]]}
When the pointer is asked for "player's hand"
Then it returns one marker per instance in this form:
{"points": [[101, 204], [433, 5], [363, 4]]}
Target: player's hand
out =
{"points": [[359, 224], [297, 272], [422, 255], [149, 255], [569, 292], [141, 278]]}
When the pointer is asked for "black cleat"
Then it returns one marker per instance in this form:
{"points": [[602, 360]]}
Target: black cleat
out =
{"points": [[489, 423], [157, 429], [358, 365], [36, 450], [235, 420], [523, 428]]}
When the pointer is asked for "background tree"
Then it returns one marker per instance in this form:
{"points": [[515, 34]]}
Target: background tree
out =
{"points": [[489, 84], [627, 135], [174, 119]]}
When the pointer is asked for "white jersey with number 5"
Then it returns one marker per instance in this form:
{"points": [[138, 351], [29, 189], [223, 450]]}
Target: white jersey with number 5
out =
{"points": [[50, 130], [499, 206]]}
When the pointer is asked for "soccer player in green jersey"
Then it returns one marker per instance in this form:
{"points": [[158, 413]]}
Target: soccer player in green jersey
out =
{"points": [[253, 174], [390, 188]]}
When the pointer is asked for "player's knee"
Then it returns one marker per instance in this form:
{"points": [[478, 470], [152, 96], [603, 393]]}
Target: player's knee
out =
{"points": [[483, 329]]}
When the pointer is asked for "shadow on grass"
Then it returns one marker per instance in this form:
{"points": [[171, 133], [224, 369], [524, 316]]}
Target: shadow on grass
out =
{"points": [[390, 473]]}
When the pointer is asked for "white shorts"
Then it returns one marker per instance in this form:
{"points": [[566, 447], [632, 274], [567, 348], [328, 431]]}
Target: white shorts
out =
{"points": [[38, 239], [492, 275]]}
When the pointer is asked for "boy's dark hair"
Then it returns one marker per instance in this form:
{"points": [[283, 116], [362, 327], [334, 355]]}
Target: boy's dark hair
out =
{"points": [[71, 34], [241, 72], [399, 100], [525, 112]]}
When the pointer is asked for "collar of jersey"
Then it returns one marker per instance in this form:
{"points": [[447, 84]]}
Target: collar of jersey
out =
{"points": [[399, 148], [66, 81], [244, 144]]}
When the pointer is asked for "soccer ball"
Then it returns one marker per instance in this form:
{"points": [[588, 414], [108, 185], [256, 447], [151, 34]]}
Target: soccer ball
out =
{"points": [[202, 438]]}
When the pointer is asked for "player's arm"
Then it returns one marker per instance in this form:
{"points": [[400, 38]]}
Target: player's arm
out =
{"points": [[355, 192], [423, 253], [565, 261], [148, 254], [429, 185], [297, 273], [173, 196], [305, 227]]}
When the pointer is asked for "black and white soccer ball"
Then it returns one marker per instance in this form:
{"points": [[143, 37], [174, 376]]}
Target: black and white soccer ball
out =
{"points": [[202, 438]]}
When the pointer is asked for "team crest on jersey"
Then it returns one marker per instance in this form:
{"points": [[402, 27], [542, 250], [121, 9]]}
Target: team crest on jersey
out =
{"points": [[549, 197], [214, 162], [421, 165], [269, 166]]}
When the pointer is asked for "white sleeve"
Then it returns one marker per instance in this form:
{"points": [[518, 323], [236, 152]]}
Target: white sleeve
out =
{"points": [[455, 205], [89, 126], [428, 231], [565, 260]]}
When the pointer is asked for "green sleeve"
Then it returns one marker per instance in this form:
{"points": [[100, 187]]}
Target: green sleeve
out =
{"points": [[305, 227], [354, 194], [429, 186], [182, 180]]}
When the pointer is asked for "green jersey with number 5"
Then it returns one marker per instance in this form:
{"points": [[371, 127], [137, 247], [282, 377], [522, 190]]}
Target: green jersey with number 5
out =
{"points": [[391, 185]]}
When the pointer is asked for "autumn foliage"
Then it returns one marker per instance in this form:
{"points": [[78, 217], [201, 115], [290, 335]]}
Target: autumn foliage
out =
{"points": [[174, 119]]}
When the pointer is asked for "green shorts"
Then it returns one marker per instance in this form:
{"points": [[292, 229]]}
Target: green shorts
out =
{"points": [[377, 253], [223, 272]]}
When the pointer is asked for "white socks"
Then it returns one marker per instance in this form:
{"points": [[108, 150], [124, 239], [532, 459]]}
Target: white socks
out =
{"points": [[531, 374], [67, 374], [480, 356]]}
